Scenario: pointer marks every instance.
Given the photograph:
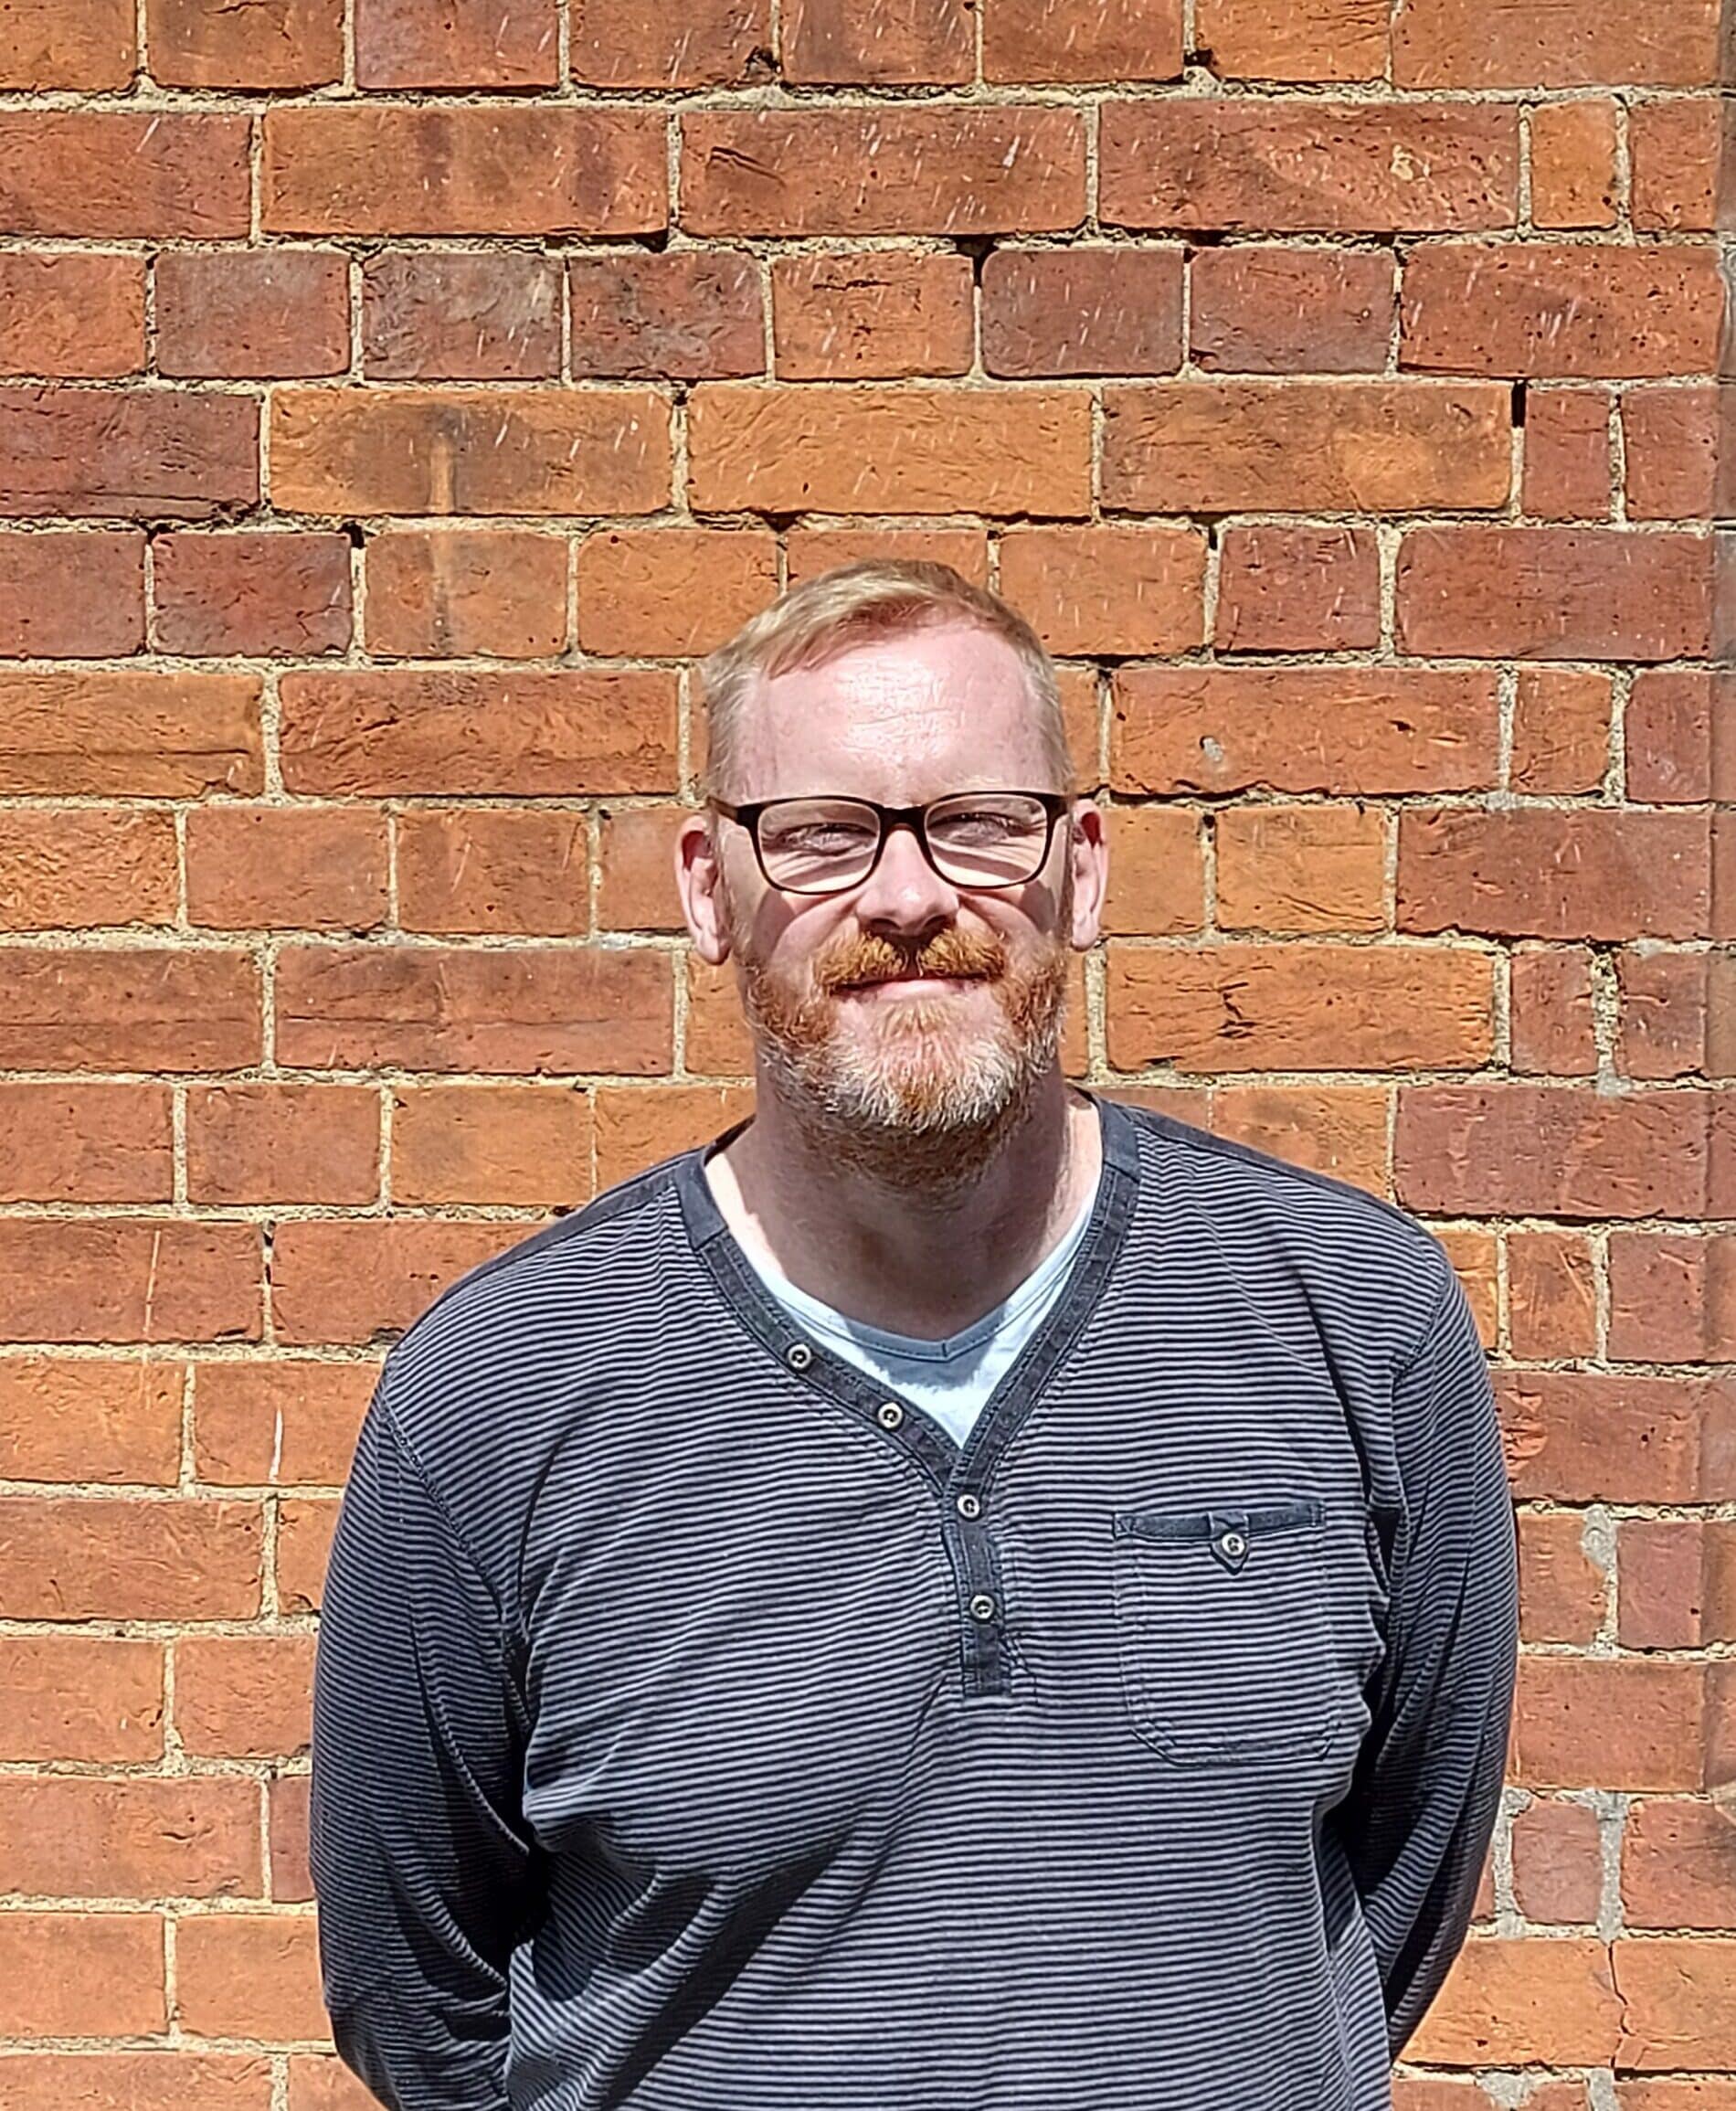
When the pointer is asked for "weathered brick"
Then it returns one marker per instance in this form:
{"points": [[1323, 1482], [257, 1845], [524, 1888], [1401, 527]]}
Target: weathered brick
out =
{"points": [[1562, 1599], [249, 1976], [460, 43], [1538, 309], [85, 1143], [81, 1973], [668, 592], [635, 876], [990, 168], [1553, 873], [505, 451], [1553, 1033], [132, 1838], [1554, 593], [349, 1280], [1362, 729], [397, 731], [1676, 149], [120, 1008], [1676, 449], [1568, 469], [1157, 872], [1573, 176], [1262, 309], [251, 592], [1551, 1294], [145, 455], [252, 314], [1081, 311], [243, 1696], [872, 315], [1051, 41], [1561, 1987], [76, 314], [1572, 44], [1310, 40], [830, 42], [1294, 447], [706, 44], [1301, 868], [1561, 729], [290, 1422], [136, 735], [460, 316], [1109, 587], [123, 174], [81, 866], [70, 594], [84, 1418], [1298, 590], [108, 1558], [398, 168], [1678, 735], [888, 449], [452, 592], [89, 44], [1677, 2001], [96, 1698], [1558, 1864], [507, 872], [273, 1143], [686, 315], [268, 45], [498, 1144], [1306, 166]]}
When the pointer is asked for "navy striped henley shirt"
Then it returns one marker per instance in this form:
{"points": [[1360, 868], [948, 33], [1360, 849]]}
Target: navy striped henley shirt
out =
{"points": [[698, 1727]]}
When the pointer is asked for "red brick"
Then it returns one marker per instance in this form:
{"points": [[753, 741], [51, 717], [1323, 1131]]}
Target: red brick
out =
{"points": [[306, 866], [1109, 588], [1573, 178], [989, 168], [810, 551], [1678, 729], [1304, 166], [395, 732], [95, 1698], [68, 594], [84, 1418], [889, 448], [636, 889], [275, 1143], [136, 734], [393, 168], [1669, 1001], [127, 1008], [1281, 40], [1567, 454], [636, 1129], [144, 454], [1679, 1865], [289, 1422], [504, 451], [251, 592], [1552, 1295], [686, 315], [114, 1558], [215, 44], [338, 1279], [1051, 41], [1081, 311], [669, 591], [1364, 729], [1554, 593], [1678, 2006], [1676, 148], [1541, 309], [50, 44], [508, 871], [1300, 1007], [528, 1145], [82, 1975], [70, 1837], [243, 1696], [249, 1975], [1552, 873], [458, 43], [1298, 590], [164, 2079], [1319, 867], [1677, 445], [1572, 44], [76, 314], [123, 175], [287, 1800], [461, 316], [1561, 1590], [85, 1143], [452, 592], [872, 315], [1261, 309], [705, 44], [1558, 1872], [1553, 1029], [833, 43], [305, 1525], [262, 314], [1560, 730], [1291, 446], [530, 1008]]}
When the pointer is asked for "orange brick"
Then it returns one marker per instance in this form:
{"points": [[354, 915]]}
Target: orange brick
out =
{"points": [[1050, 40], [270, 1144], [456, 591], [73, 313], [1156, 872], [345, 1281], [142, 454], [125, 174], [90, 44], [211, 44], [526, 1144], [288, 1422], [1574, 44], [1553, 1029], [666, 592], [1561, 729], [105, 1557], [85, 1143], [313, 868], [1567, 454], [241, 1975], [85, 1418], [1561, 1589], [86, 866], [1298, 590], [1676, 145], [84, 1975], [1551, 1294], [462, 43], [243, 1696], [706, 44], [832, 43], [637, 890], [869, 315], [135, 734], [94, 1698], [1109, 587], [1301, 868], [72, 1838], [637, 1129], [507, 870], [1281, 40], [1573, 180]]}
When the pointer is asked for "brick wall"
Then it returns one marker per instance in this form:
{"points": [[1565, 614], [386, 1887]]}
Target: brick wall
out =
{"points": [[398, 396]]}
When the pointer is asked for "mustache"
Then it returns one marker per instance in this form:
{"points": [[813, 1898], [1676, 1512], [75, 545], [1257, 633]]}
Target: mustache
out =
{"points": [[864, 957]]}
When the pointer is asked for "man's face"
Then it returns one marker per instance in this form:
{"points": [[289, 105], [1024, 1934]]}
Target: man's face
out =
{"points": [[907, 1012]]}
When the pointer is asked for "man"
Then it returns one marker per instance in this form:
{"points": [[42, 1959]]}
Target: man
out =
{"points": [[960, 1593]]}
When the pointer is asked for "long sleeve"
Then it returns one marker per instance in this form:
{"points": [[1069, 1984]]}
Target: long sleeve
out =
{"points": [[423, 1873], [1422, 1808]]}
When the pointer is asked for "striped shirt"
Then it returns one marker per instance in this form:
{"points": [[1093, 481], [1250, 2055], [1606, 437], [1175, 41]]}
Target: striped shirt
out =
{"points": [[698, 1727]]}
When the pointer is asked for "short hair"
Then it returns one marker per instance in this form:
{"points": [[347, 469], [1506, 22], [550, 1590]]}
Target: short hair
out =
{"points": [[867, 598]]}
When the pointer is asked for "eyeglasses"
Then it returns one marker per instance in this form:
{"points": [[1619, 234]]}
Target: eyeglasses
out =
{"points": [[825, 844]]}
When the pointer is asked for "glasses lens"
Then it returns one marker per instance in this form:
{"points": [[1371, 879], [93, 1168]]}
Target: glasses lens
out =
{"points": [[987, 839], [815, 846]]}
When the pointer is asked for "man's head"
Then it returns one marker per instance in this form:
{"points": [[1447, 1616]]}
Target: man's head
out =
{"points": [[905, 1017]]}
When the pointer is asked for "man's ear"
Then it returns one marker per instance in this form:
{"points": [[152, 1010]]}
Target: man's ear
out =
{"points": [[700, 880], [1088, 849]]}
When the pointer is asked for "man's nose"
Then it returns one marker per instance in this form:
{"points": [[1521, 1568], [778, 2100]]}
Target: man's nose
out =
{"points": [[904, 894]]}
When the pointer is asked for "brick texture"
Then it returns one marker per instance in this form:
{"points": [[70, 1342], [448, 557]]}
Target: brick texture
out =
{"points": [[396, 397]]}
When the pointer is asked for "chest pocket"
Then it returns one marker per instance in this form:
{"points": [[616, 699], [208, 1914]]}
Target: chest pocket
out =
{"points": [[1223, 1632]]}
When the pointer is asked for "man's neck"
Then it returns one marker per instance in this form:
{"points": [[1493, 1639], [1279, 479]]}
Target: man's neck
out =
{"points": [[922, 1265]]}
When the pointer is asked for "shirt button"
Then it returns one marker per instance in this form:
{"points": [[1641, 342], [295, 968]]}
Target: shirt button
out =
{"points": [[982, 1606], [799, 1355], [969, 1506], [1232, 1543], [889, 1414]]}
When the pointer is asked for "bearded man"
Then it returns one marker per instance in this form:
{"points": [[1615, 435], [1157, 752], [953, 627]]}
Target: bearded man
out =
{"points": [[956, 1595]]}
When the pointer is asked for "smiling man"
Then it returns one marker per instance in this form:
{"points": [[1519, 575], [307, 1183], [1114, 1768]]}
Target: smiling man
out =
{"points": [[957, 1595]]}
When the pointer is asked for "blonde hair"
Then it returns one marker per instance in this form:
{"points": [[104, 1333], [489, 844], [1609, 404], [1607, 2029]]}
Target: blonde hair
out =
{"points": [[868, 598]]}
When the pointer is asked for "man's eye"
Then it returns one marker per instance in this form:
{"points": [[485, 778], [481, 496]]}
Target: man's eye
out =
{"points": [[819, 839], [983, 827]]}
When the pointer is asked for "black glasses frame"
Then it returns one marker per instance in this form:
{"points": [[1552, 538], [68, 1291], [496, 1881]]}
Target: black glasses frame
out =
{"points": [[914, 817]]}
